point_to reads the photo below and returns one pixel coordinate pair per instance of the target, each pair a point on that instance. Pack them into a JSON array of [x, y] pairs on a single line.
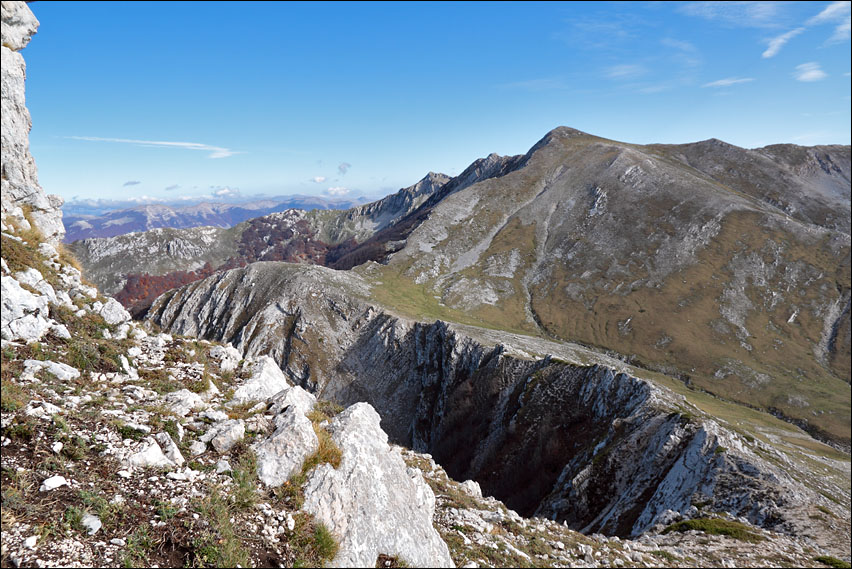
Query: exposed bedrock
[[601, 450]]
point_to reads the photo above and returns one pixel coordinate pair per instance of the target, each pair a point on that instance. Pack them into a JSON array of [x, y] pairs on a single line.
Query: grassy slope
[[676, 327]]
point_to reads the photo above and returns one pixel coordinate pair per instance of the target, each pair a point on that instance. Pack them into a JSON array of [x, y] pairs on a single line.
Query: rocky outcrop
[[19, 186], [373, 499], [590, 445]]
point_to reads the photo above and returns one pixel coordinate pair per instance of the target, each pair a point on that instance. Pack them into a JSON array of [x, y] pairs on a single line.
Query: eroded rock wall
[[601, 450], [19, 186]]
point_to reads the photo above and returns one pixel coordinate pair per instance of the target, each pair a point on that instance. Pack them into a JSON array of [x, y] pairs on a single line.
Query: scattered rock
[[266, 380], [91, 523], [52, 483]]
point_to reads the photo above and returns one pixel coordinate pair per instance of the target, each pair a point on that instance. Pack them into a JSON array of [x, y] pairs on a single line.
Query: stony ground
[[94, 474], [483, 532]]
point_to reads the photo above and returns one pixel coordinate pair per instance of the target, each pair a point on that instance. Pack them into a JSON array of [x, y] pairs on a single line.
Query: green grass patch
[[218, 545], [716, 526], [312, 543], [244, 474], [12, 396], [832, 562]]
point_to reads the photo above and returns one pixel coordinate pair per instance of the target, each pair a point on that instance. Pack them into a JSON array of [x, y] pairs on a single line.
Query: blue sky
[[164, 101]]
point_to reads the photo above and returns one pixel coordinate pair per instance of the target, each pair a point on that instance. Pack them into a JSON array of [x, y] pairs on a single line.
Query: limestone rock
[[183, 401], [113, 312], [223, 436], [371, 502], [24, 315], [19, 24], [266, 380], [52, 483], [19, 184], [91, 523], [170, 449], [61, 371], [227, 356], [282, 454], [296, 398], [150, 456]]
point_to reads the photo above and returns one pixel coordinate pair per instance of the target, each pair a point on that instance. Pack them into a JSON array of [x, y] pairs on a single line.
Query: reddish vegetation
[[140, 290], [265, 239]]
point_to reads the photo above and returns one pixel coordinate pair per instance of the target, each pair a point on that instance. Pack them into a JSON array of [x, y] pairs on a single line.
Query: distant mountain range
[[89, 218]]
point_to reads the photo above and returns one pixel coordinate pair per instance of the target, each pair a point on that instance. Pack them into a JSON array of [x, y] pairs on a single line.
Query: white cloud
[[226, 192], [624, 71], [131, 183], [318, 179], [839, 12], [215, 151], [776, 43], [337, 191], [344, 167], [831, 13], [172, 187], [728, 81], [809, 72]]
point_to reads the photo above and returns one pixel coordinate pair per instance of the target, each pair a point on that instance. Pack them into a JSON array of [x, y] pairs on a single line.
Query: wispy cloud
[[131, 183], [809, 72], [728, 81], [738, 14], [839, 12], [215, 151], [624, 71], [831, 13], [318, 179], [337, 191], [172, 187], [776, 43], [343, 167]]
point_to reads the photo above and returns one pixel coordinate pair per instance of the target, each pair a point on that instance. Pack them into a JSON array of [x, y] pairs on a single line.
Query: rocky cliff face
[[19, 182], [581, 440]]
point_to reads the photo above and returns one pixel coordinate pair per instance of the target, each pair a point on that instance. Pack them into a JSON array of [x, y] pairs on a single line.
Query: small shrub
[[139, 545], [312, 543], [832, 561], [716, 526], [166, 510], [12, 397], [128, 432], [74, 517]]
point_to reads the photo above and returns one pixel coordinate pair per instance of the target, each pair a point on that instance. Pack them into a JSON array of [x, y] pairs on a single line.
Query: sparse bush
[[833, 561], [717, 526], [312, 543]]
